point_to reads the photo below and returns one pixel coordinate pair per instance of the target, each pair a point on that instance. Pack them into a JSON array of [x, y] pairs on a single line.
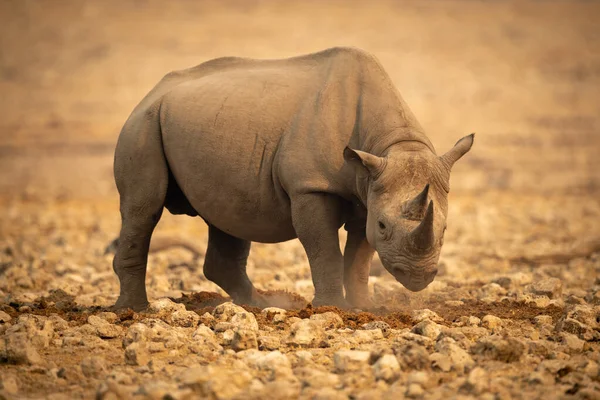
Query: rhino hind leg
[[141, 174], [225, 265]]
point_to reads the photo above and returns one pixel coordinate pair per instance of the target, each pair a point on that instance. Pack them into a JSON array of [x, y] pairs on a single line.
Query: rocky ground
[[501, 321], [513, 313]]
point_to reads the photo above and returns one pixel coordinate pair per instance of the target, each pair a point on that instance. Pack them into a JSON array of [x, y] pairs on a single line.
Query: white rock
[[305, 333], [137, 332], [428, 329], [137, 353], [477, 382], [367, 336], [421, 315], [350, 360], [328, 320], [244, 320], [4, 317], [104, 329], [93, 367], [550, 287], [492, 323], [8, 384], [165, 305], [244, 339], [266, 342], [460, 358], [216, 382], [224, 312], [387, 368], [18, 349], [185, 318]]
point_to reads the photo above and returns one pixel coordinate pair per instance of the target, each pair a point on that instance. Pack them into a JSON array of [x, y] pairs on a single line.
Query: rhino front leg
[[317, 218], [357, 266], [225, 265]]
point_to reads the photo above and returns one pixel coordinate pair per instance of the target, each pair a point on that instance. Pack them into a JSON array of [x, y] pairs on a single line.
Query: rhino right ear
[[364, 162], [460, 149]]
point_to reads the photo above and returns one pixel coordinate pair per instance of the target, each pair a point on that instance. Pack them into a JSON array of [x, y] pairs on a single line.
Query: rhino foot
[[123, 304]]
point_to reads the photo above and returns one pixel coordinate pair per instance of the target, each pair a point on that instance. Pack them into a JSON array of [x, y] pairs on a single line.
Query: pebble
[[328, 320], [225, 311], [305, 333], [103, 328], [19, 350], [549, 287], [219, 382], [350, 360], [266, 342], [244, 339], [244, 320], [425, 314], [428, 329], [499, 349], [93, 367], [367, 336], [4, 317], [387, 368], [185, 318], [460, 360], [492, 323], [165, 305]]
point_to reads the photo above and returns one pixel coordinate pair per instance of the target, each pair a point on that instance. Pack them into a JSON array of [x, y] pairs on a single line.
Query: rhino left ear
[[460, 149], [365, 162]]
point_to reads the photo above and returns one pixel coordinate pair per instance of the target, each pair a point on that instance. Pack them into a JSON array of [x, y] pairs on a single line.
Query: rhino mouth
[[413, 282]]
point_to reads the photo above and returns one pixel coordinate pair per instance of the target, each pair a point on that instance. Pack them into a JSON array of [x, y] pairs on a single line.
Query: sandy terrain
[[514, 312]]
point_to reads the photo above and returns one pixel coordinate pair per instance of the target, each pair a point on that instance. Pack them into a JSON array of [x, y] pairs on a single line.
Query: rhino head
[[407, 204]]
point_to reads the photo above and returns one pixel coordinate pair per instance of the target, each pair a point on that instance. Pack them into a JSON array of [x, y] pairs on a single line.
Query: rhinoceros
[[272, 150]]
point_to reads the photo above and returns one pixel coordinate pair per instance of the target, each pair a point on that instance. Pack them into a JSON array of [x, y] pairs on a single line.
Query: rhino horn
[[422, 236], [416, 207], [460, 149]]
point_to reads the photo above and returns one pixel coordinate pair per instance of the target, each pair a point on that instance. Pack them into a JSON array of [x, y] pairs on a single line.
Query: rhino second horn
[[416, 207], [422, 236]]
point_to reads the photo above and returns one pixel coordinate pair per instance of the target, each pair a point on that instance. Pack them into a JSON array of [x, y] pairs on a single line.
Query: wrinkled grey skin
[[271, 150]]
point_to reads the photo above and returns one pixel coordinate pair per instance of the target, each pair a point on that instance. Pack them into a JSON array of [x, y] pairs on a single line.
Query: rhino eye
[[381, 225]]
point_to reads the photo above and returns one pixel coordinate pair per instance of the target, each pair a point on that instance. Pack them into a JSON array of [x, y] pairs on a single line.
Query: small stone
[[468, 321], [268, 342], [104, 329], [414, 390], [4, 317], [137, 354], [492, 323], [8, 384], [572, 342], [459, 358], [305, 333], [421, 315], [165, 306], [387, 368], [276, 363], [185, 318], [367, 336], [499, 349], [93, 367], [384, 326], [412, 356], [328, 320], [216, 382], [543, 320], [550, 287], [226, 337], [441, 362], [18, 349], [454, 303], [477, 381], [244, 339], [350, 360], [224, 312], [207, 319], [273, 311], [244, 320], [109, 317], [428, 329]]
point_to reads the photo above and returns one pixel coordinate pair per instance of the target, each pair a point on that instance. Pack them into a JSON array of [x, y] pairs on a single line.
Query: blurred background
[[523, 75]]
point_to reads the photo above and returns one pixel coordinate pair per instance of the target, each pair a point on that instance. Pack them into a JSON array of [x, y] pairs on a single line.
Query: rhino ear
[[460, 149], [365, 162]]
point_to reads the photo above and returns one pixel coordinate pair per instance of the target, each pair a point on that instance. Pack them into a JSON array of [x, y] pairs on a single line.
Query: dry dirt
[[514, 312]]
